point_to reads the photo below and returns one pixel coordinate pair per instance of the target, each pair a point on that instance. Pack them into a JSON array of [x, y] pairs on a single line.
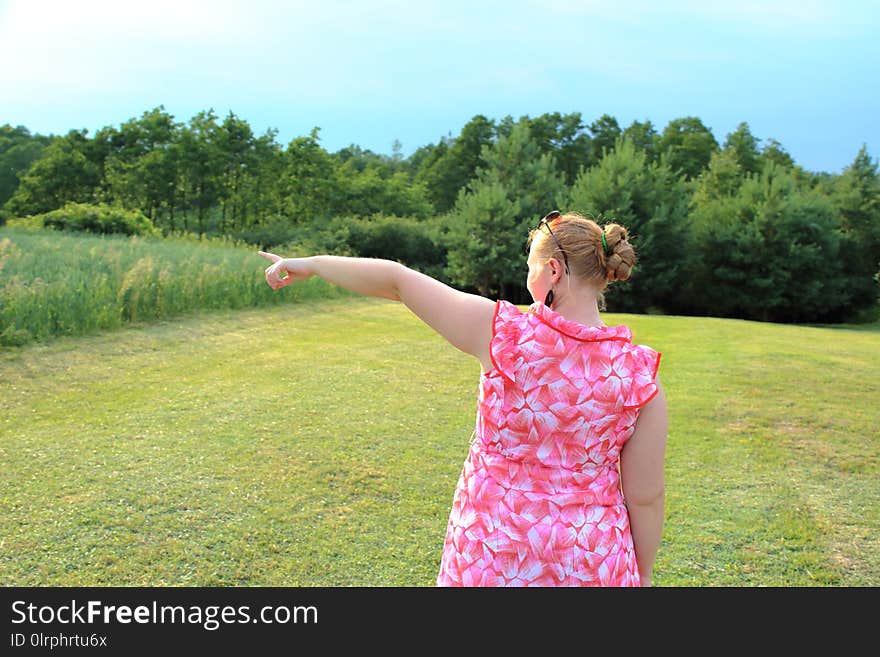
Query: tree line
[[731, 229]]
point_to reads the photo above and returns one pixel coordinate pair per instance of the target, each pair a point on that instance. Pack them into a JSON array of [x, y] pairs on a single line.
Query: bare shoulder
[[652, 422], [464, 319]]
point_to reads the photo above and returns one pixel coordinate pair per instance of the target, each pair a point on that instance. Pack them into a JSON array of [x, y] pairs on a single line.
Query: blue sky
[[803, 72]]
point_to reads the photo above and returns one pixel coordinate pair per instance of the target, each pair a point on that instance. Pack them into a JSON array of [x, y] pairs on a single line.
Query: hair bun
[[621, 257]]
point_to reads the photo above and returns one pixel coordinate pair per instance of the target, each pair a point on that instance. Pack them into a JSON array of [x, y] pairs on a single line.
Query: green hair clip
[[604, 243]]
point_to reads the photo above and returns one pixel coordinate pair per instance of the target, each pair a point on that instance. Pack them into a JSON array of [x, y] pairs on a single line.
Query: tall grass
[[54, 283]]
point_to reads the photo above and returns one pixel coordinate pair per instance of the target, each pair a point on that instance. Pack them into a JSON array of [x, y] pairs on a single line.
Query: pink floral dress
[[539, 501]]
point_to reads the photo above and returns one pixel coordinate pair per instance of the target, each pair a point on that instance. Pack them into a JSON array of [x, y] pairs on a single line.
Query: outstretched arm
[[465, 320], [641, 470]]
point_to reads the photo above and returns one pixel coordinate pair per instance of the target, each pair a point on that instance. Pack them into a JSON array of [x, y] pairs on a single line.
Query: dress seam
[[618, 338]]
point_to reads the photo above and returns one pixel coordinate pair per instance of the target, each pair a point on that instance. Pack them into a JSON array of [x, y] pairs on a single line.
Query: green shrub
[[411, 241], [271, 233], [101, 218]]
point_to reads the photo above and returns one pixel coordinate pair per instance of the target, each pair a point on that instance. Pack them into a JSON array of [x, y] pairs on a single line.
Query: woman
[[563, 483]]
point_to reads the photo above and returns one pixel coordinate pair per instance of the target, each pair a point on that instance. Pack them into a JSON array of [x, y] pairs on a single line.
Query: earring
[[548, 300]]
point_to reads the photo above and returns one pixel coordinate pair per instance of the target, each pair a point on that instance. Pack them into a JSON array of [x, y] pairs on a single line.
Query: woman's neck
[[582, 309]]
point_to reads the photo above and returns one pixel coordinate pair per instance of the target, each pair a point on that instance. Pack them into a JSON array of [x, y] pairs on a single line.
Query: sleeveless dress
[[539, 501]]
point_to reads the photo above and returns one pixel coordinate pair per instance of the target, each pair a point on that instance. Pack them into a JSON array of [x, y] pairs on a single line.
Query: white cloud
[[90, 45], [77, 48]]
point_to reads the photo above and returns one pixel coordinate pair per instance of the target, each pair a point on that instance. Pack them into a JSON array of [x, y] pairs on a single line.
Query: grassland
[[54, 283], [320, 443]]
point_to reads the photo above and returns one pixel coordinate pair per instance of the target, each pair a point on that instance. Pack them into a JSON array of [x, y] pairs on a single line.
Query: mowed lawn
[[320, 444]]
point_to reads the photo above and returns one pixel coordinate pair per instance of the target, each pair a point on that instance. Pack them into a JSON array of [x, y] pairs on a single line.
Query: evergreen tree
[[651, 202], [774, 152], [772, 251], [857, 199], [455, 162], [720, 179], [743, 146], [489, 225]]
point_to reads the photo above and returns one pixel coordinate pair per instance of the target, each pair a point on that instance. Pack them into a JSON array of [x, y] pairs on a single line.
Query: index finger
[[269, 256]]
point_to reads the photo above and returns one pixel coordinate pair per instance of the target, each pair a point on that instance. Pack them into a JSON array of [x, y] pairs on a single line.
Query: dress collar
[[579, 331]]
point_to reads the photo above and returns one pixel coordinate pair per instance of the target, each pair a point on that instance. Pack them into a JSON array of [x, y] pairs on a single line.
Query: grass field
[[320, 444]]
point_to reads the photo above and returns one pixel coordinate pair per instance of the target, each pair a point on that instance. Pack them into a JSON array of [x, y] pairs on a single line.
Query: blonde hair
[[581, 239]]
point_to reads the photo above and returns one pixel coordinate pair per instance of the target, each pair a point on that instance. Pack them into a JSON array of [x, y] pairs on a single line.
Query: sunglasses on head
[[545, 221]]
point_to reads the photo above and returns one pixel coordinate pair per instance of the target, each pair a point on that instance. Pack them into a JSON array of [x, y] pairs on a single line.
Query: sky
[[802, 72]]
